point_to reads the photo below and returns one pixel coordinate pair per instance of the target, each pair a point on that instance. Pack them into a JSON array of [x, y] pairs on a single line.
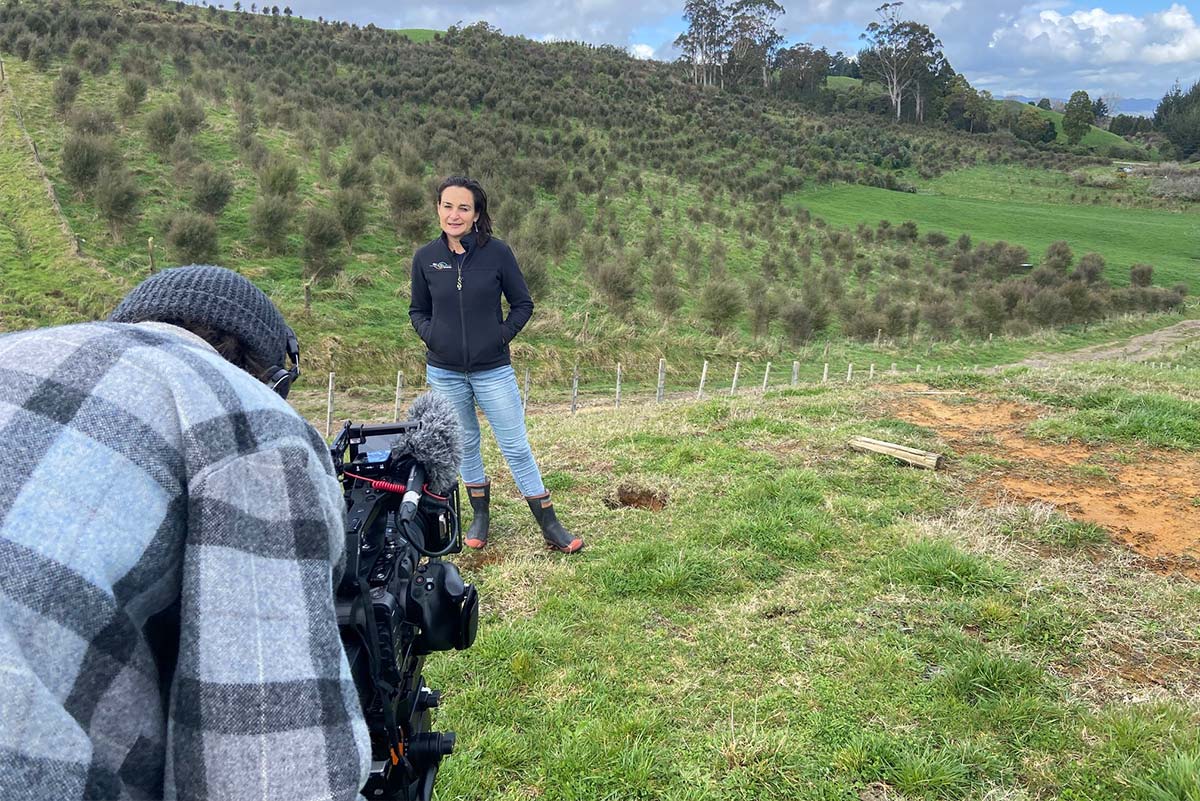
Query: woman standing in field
[[457, 282]]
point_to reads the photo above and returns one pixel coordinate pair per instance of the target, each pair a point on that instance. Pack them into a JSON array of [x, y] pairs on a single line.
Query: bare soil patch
[[1146, 499]]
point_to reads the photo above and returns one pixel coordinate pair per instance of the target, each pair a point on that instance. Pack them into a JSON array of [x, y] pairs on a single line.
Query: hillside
[[653, 218]]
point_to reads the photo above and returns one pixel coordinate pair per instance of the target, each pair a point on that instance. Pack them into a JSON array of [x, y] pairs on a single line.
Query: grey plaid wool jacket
[[170, 531]]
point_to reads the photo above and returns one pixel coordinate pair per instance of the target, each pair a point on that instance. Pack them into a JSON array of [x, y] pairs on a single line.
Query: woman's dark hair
[[483, 226]]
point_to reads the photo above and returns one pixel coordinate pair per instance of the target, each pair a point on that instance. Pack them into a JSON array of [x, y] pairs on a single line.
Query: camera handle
[[391, 726]]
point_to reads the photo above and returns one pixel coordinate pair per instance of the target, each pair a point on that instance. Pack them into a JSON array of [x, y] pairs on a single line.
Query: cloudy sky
[[1127, 48]]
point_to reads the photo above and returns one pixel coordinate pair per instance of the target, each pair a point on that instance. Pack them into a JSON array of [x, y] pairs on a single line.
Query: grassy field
[[41, 279], [1169, 241], [418, 34], [804, 622], [1007, 182]]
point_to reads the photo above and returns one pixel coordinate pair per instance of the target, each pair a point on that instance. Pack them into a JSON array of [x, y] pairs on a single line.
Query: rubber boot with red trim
[[480, 496], [557, 538]]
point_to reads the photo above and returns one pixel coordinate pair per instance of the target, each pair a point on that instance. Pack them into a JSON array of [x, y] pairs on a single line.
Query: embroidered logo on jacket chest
[[441, 265]]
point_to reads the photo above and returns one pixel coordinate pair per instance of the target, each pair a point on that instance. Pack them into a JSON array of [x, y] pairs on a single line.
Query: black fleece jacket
[[455, 306]]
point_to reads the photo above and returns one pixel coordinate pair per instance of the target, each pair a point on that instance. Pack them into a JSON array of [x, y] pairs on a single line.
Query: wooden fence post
[[795, 373], [849, 372], [871, 374], [662, 380], [703, 375], [825, 373], [329, 408], [737, 369], [574, 387], [150, 249], [399, 392], [618, 385], [766, 376]]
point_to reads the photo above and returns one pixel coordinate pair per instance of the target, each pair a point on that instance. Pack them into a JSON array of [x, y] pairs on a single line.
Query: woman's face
[[456, 211]]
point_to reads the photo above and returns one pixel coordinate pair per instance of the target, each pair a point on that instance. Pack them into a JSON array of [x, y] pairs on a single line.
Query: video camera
[[398, 601]]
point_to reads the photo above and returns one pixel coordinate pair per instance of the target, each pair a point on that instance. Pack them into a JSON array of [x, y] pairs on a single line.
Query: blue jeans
[[496, 393]]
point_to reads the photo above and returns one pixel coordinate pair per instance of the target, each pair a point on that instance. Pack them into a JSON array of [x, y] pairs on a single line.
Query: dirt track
[[1137, 349]]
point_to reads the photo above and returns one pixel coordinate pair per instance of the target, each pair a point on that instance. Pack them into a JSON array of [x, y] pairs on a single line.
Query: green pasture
[[418, 34], [804, 622], [1169, 241], [1012, 182]]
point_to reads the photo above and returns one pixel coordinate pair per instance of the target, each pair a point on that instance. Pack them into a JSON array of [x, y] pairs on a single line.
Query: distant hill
[[1096, 138], [1135, 106]]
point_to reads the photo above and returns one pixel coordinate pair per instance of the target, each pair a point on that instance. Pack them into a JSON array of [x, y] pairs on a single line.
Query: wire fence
[[592, 388]]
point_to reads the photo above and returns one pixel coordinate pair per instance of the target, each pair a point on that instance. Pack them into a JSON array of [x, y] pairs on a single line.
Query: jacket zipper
[[462, 315]]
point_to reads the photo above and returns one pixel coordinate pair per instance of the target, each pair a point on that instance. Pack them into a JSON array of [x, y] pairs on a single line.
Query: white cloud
[[1133, 55], [642, 51]]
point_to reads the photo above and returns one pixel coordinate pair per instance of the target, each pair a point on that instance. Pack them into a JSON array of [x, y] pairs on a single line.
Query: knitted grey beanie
[[212, 296]]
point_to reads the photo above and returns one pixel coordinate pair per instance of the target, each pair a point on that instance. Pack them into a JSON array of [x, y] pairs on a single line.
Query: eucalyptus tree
[[899, 53], [753, 38], [706, 40]]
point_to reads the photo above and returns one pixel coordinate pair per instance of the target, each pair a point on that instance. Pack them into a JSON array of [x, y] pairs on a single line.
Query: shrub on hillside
[[859, 320], [1090, 269], [189, 112], [1059, 256], [617, 281], [1141, 275], [797, 322], [936, 239], [350, 205], [409, 210], [763, 306], [192, 238], [665, 291], [354, 175], [1049, 306], [136, 89], [322, 241], [117, 197], [270, 221], [534, 265], [211, 189], [938, 315], [98, 61], [279, 177], [66, 88], [721, 303], [83, 156], [92, 120], [162, 126], [41, 57]]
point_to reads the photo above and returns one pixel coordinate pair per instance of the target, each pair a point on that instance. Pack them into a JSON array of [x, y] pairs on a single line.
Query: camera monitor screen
[[372, 444]]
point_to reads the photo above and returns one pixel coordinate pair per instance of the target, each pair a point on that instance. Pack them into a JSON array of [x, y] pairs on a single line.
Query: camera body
[[398, 602]]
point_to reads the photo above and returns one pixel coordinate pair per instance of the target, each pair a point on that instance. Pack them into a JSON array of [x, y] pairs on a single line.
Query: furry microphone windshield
[[437, 443]]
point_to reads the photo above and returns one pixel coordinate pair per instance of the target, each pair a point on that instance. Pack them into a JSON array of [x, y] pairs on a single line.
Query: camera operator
[[171, 532]]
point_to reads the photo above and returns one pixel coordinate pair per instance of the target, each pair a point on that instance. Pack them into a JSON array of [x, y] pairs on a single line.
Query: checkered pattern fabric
[[170, 535]]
